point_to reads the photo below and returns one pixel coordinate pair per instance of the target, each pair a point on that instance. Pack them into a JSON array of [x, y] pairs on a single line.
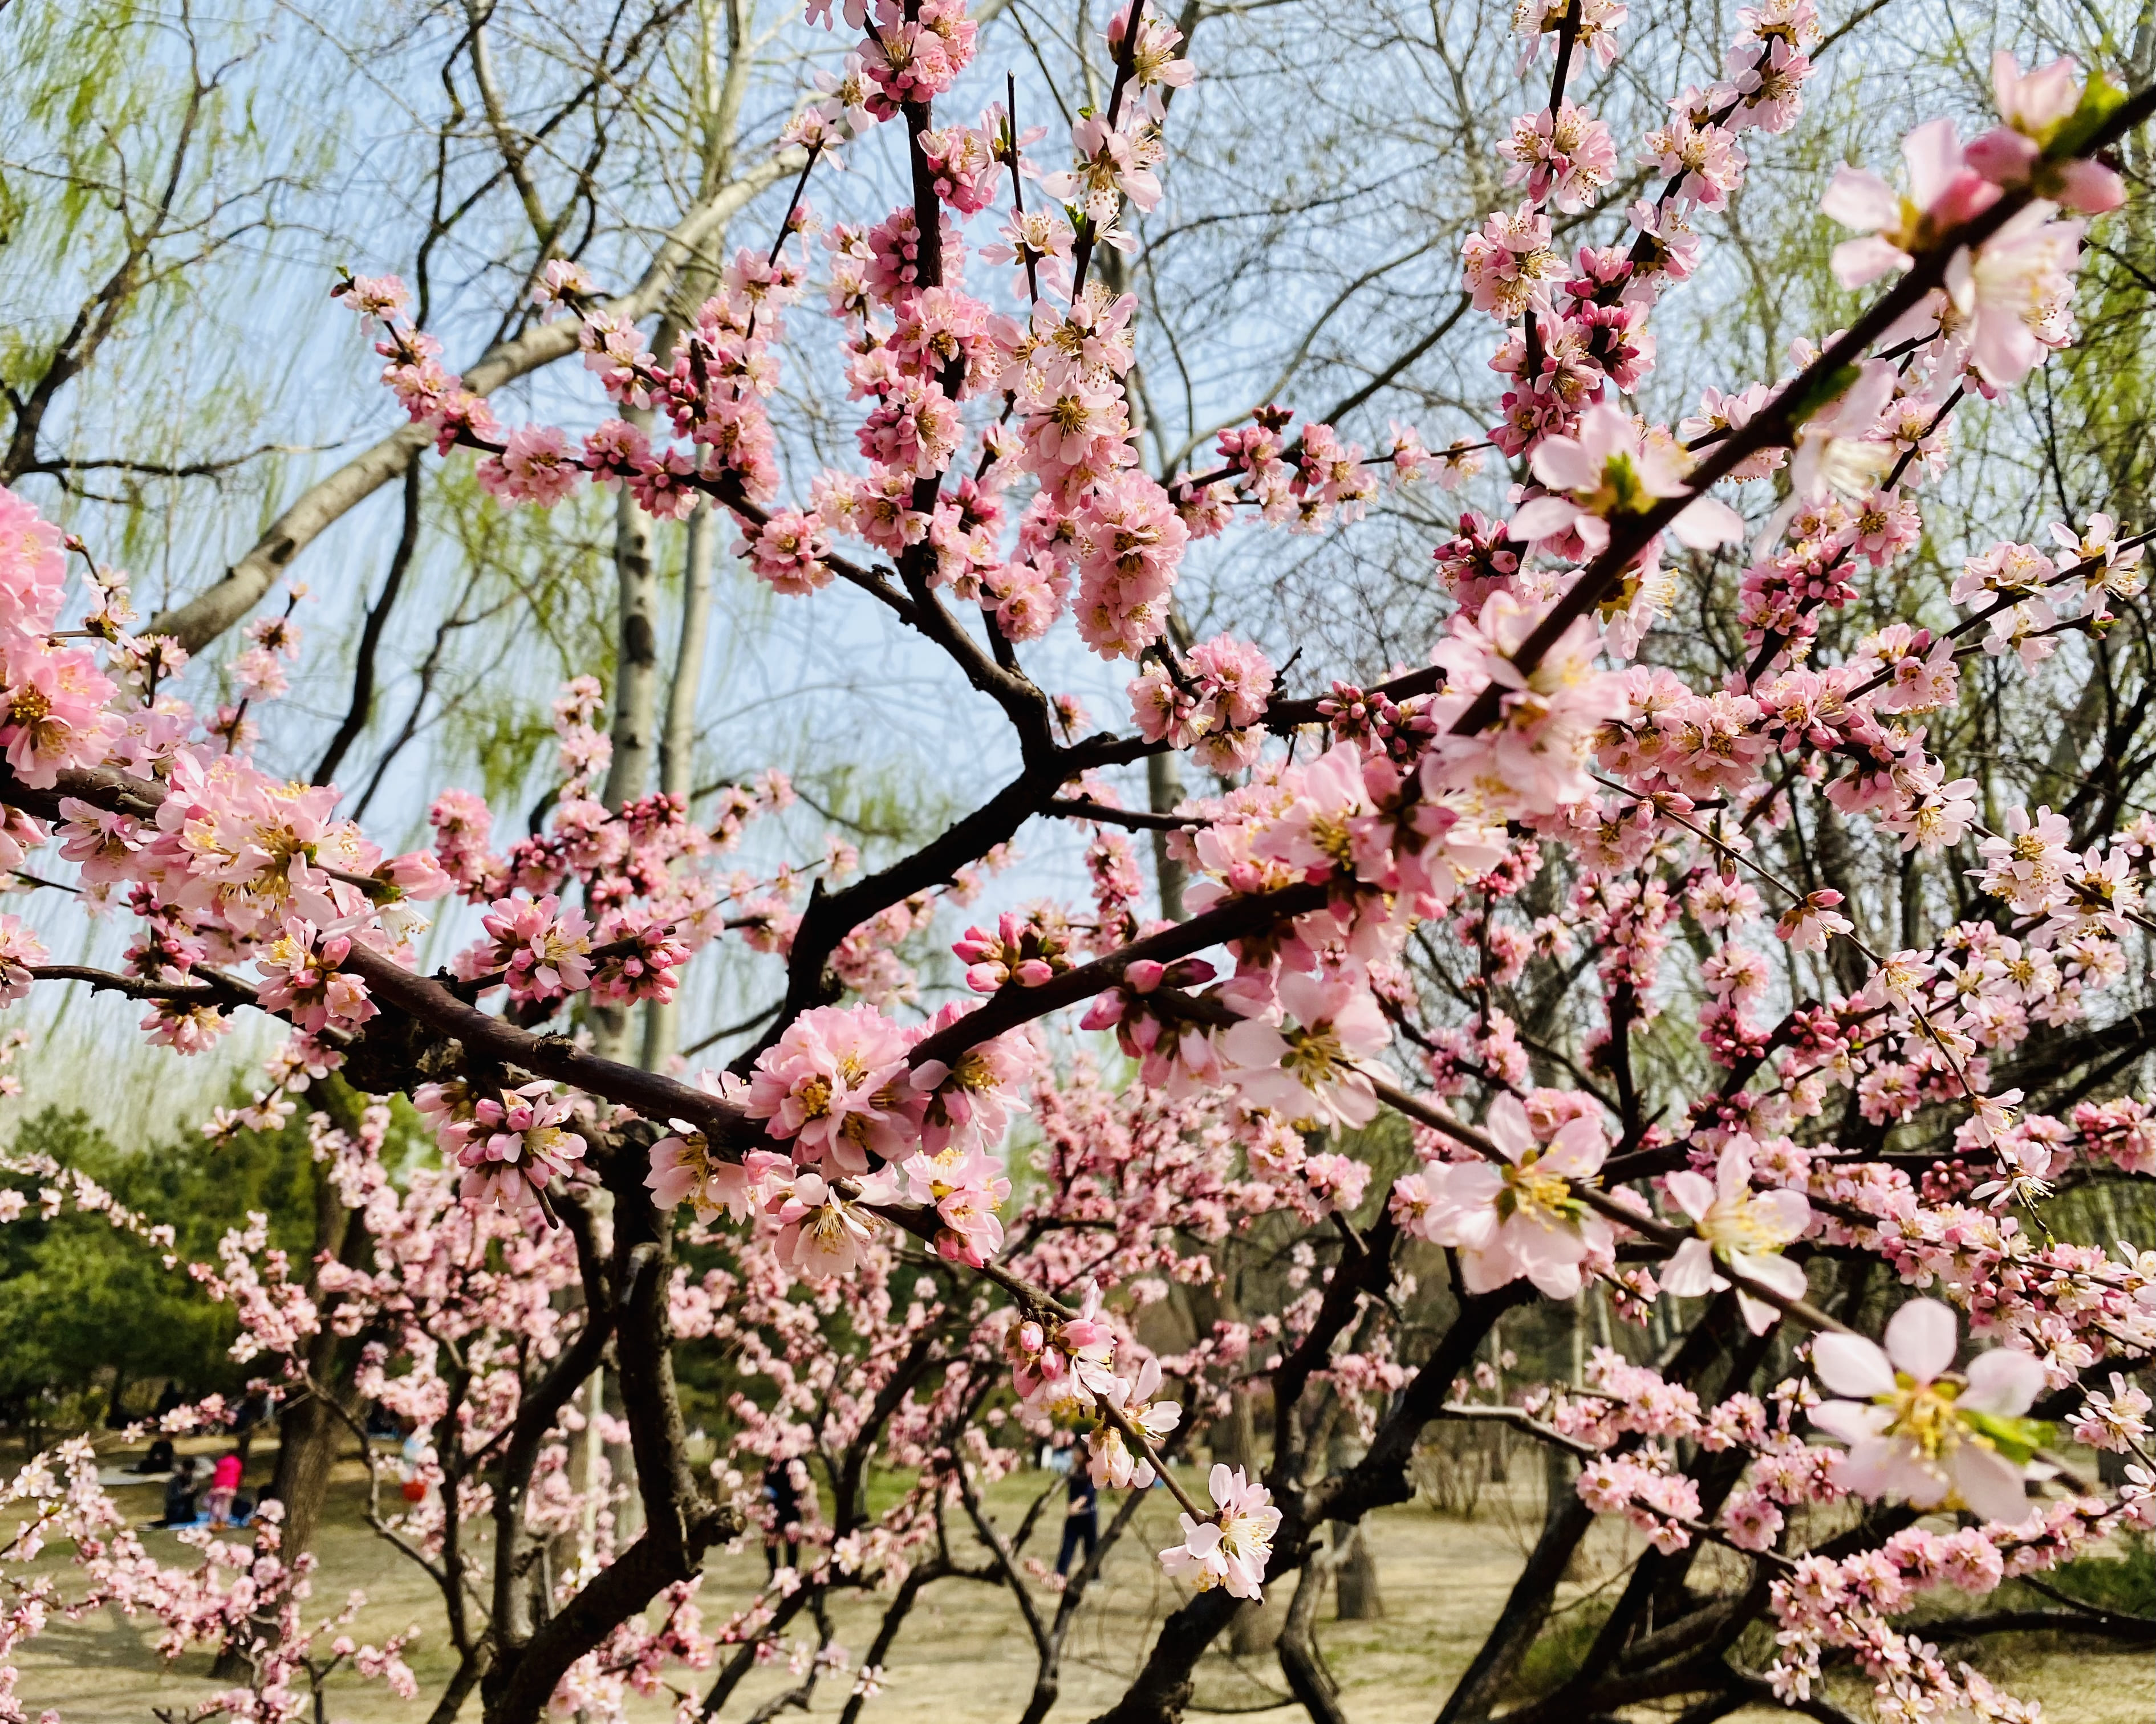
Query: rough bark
[[680, 1522]]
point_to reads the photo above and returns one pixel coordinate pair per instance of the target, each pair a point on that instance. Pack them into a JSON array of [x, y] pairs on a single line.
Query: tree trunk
[[677, 743], [1356, 1564], [1235, 1437], [1302, 1662], [621, 1473], [636, 670], [1164, 790], [1256, 1627], [306, 1450], [573, 1549], [308, 1427], [635, 693]]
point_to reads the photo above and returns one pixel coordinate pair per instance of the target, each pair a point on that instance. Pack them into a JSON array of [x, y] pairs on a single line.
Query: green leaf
[[1823, 391], [2017, 1439], [2099, 101]]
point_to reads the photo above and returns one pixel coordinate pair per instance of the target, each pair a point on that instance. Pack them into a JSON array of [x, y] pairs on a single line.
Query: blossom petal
[[1564, 464], [1690, 1274], [1852, 1421], [1707, 522], [1850, 1365], [1989, 1484], [1922, 1338], [1856, 262], [1933, 154], [1692, 1193], [1777, 1275], [1859, 198], [2003, 1382], [1578, 1149], [1541, 517], [1506, 1126], [1785, 1215]]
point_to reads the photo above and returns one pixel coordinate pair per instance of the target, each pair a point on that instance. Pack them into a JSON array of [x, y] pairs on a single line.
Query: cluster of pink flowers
[[511, 1143], [1232, 1548], [1212, 703], [52, 696], [1434, 803]]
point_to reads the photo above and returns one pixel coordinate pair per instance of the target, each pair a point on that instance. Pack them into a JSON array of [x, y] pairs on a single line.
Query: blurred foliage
[[86, 1308]]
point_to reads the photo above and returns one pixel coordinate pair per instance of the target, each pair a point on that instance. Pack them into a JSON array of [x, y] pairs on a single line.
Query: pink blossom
[[1812, 920], [2018, 291], [1910, 1434], [1130, 541], [2116, 1422], [1745, 1229], [381, 297], [835, 1083], [820, 1233], [684, 1170], [534, 466], [2028, 863], [516, 1146], [19, 950], [1230, 1550], [788, 550], [301, 978], [1565, 157], [1111, 1462], [542, 946], [1307, 1064], [1608, 469], [1533, 760], [2036, 107], [51, 716], [1506, 261], [1522, 1217]]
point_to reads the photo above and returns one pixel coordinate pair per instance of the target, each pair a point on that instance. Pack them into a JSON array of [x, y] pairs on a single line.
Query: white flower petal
[[2003, 1382], [1922, 1338], [1850, 1365]]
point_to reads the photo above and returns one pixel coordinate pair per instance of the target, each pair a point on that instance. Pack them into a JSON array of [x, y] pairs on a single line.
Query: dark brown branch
[[1078, 807], [370, 636]]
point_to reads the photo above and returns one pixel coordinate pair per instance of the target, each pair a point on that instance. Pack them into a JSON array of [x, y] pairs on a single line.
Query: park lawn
[[965, 1657]]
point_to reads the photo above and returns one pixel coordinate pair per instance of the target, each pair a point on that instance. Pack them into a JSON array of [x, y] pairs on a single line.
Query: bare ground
[[965, 1655]]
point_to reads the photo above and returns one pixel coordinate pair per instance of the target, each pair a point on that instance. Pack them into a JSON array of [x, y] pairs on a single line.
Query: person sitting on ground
[[223, 1485], [180, 1495], [159, 1459]]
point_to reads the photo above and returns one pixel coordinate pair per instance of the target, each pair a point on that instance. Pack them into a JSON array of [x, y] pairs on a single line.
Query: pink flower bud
[[1105, 1011]]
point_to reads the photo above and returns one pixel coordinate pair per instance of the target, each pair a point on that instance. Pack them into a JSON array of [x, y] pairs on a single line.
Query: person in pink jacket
[[223, 1483]]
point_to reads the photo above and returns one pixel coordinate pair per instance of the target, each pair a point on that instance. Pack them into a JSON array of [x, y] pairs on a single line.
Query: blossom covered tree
[[838, 1208]]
